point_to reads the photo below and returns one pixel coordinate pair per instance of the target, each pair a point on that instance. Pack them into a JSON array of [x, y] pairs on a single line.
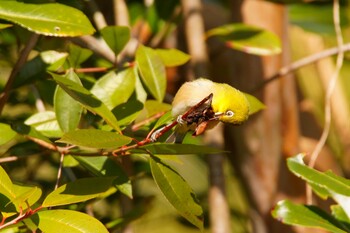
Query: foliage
[[93, 121], [325, 185], [74, 118]]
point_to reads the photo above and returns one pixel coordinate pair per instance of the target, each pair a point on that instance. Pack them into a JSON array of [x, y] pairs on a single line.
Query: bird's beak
[[217, 116]]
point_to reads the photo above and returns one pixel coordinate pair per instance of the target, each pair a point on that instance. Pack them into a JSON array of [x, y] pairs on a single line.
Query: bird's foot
[[180, 120]]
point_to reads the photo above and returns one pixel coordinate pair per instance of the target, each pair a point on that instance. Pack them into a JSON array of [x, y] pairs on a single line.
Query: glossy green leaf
[[173, 57], [177, 192], [94, 138], [328, 181], [152, 71], [7, 134], [104, 166], [177, 149], [140, 92], [255, 105], [342, 200], [248, 39], [78, 191], [307, 216], [26, 195], [7, 193], [50, 19], [78, 55], [13, 197], [116, 37], [49, 221], [339, 213], [115, 88], [29, 131], [128, 112], [45, 123], [87, 99], [68, 110]]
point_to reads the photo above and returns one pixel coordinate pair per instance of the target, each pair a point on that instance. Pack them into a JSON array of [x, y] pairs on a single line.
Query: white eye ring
[[229, 113]]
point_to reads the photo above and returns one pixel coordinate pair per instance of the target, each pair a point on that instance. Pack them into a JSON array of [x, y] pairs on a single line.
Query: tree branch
[[330, 90], [301, 63], [20, 62]]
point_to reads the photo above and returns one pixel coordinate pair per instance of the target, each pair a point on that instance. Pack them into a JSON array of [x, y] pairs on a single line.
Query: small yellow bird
[[226, 104]]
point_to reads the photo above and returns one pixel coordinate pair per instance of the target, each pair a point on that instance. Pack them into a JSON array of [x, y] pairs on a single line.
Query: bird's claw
[[154, 135], [180, 120]]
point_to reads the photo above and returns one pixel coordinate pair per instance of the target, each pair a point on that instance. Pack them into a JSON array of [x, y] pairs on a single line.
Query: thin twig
[[330, 89], [121, 14], [301, 63], [9, 159], [59, 172], [97, 15], [20, 62], [96, 46], [138, 125]]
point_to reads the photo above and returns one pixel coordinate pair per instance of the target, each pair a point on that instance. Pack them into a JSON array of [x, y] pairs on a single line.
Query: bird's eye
[[229, 113]]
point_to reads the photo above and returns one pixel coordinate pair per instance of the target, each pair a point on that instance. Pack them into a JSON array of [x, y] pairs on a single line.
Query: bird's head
[[229, 104]]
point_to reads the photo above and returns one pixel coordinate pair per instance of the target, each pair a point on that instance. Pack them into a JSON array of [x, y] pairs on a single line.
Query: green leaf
[[177, 149], [51, 19], [307, 216], [26, 196], [152, 71], [104, 166], [151, 108], [7, 134], [68, 110], [140, 92], [54, 59], [70, 161], [339, 213], [173, 57], [166, 118], [115, 88], [3, 25], [36, 68], [128, 112], [78, 191], [328, 181], [87, 99], [49, 221], [116, 37], [7, 192], [29, 131], [317, 18], [254, 104], [45, 123], [177, 192], [78, 55], [248, 39], [94, 138]]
